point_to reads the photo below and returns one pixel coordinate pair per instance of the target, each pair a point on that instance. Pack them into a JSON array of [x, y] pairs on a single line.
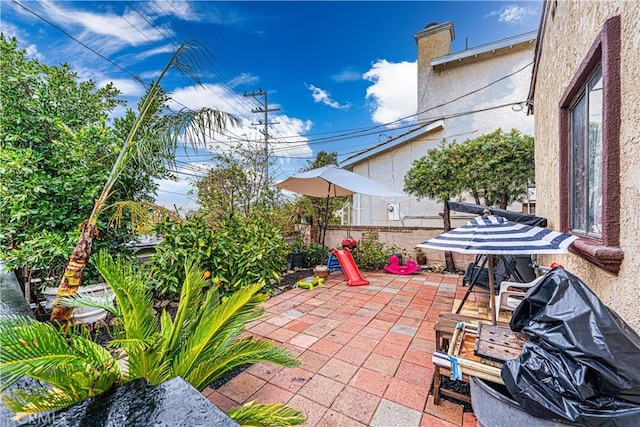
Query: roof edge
[[489, 47], [392, 143], [536, 55]]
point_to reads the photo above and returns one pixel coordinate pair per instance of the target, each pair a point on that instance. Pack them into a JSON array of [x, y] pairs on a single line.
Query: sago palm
[[200, 344], [191, 126]]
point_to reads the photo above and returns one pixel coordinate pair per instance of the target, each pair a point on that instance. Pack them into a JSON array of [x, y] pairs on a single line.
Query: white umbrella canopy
[[495, 235], [332, 181]]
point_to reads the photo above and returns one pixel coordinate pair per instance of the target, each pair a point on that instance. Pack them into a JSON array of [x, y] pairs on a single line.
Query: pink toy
[[394, 266]]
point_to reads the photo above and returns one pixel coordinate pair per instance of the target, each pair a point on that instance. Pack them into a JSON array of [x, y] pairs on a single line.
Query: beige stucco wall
[[567, 37], [443, 84]]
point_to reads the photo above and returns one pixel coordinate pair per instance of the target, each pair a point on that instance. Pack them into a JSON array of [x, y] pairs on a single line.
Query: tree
[[56, 149], [191, 126], [497, 166], [200, 344], [436, 175], [235, 183]]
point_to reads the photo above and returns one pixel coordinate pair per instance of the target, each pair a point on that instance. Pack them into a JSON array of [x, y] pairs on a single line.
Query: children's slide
[[349, 267]]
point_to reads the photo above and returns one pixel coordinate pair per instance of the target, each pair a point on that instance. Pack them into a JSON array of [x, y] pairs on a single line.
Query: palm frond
[[185, 321], [216, 362], [40, 351], [134, 299], [272, 415], [94, 301], [142, 215], [218, 325]]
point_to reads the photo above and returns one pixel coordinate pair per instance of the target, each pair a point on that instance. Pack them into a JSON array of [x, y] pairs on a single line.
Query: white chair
[[511, 294]]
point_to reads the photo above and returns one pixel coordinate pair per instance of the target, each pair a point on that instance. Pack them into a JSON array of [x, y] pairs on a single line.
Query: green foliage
[[496, 166], [273, 415], [315, 253], [236, 182], [371, 254], [200, 343], [56, 150], [76, 366], [434, 175], [239, 251]]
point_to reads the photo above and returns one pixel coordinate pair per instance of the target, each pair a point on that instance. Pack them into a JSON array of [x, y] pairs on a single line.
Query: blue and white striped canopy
[[496, 235]]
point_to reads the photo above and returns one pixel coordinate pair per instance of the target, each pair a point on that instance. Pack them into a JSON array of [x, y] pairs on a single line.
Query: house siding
[[570, 30], [443, 84]]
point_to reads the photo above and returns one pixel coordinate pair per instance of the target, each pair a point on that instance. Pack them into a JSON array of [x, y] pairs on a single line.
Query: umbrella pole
[[326, 219], [492, 286]]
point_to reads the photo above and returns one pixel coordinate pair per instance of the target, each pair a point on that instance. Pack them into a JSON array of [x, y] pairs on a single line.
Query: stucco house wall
[[568, 33], [448, 84]]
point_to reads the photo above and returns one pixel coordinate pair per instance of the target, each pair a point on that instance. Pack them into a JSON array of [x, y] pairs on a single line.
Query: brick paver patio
[[366, 353]]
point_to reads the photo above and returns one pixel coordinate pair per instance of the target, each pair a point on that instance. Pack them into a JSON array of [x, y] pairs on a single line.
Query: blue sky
[[343, 74]]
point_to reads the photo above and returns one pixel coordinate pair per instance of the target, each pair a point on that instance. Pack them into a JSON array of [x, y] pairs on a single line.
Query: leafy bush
[[239, 251], [371, 254], [315, 254]]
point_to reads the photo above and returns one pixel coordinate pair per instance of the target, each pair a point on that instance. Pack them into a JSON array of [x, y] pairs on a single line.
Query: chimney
[[433, 41]]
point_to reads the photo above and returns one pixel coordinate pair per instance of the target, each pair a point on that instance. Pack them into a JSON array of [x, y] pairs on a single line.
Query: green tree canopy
[[57, 146], [496, 167], [236, 183]]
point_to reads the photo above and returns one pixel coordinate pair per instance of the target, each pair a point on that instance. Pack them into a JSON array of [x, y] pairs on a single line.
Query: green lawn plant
[[200, 344]]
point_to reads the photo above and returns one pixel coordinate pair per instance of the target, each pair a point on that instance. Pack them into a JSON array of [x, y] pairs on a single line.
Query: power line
[[134, 76]]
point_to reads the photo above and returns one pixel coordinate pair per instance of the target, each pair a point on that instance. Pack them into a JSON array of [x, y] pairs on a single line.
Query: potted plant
[[296, 252], [421, 257]]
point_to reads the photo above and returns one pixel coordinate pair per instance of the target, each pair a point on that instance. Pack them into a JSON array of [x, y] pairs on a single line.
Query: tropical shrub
[[237, 252], [200, 344]]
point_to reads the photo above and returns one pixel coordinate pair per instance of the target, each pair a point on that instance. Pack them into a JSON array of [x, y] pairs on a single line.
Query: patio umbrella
[[495, 235], [331, 181]]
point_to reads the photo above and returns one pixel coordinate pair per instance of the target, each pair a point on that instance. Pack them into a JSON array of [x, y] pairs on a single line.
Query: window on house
[[586, 159], [590, 152]]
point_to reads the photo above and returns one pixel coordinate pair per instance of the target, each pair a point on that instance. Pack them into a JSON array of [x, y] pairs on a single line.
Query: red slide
[[349, 267]]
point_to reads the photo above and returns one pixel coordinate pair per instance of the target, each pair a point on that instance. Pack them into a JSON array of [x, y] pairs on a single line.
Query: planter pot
[[297, 259], [321, 271], [81, 314]]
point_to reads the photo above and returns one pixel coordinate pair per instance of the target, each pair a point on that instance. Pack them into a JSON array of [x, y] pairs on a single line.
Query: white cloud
[[155, 51], [113, 30], [347, 75], [181, 9], [392, 95], [286, 135], [512, 14], [323, 97], [243, 79]]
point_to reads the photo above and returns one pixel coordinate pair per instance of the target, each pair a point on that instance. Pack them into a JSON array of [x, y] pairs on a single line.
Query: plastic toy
[[396, 268], [349, 267], [309, 282]]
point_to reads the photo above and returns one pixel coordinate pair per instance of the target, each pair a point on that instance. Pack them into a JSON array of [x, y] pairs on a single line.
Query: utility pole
[[266, 110]]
